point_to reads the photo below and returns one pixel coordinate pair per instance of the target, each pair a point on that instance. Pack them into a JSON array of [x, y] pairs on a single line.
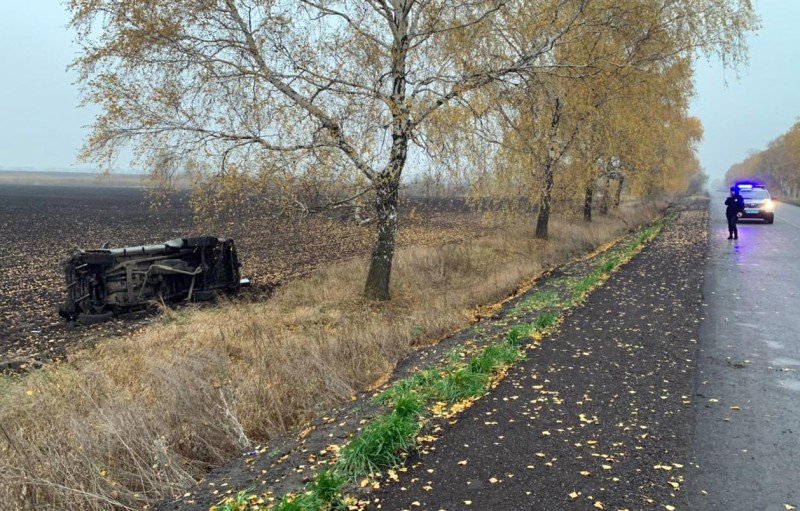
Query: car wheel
[[770, 219]]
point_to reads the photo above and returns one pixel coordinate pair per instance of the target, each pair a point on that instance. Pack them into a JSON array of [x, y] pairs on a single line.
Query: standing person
[[734, 208]]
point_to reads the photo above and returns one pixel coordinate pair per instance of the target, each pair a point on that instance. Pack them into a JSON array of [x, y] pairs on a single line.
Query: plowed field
[[42, 225]]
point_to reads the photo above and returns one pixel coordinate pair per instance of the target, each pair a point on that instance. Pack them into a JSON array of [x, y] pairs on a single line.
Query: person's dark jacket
[[735, 204]]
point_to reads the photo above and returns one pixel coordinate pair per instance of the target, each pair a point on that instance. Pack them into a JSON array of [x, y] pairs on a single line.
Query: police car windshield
[[755, 194]]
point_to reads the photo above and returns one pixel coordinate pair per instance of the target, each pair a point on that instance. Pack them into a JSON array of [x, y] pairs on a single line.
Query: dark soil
[[598, 417], [42, 225]]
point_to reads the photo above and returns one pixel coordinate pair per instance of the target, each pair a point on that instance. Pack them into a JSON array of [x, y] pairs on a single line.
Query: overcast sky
[[41, 123]]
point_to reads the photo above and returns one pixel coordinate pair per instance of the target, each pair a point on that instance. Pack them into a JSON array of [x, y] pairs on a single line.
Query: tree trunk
[[388, 182], [618, 196], [380, 266], [605, 203], [587, 201], [543, 219]]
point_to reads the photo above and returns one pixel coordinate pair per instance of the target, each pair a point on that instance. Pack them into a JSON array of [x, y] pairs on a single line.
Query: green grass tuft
[[610, 265], [545, 321], [409, 404], [460, 384], [327, 488], [493, 357], [289, 503], [415, 382], [537, 301], [586, 284], [383, 442], [240, 502], [518, 334]]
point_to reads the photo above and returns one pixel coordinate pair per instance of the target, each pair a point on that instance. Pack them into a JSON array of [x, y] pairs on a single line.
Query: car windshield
[[755, 194]]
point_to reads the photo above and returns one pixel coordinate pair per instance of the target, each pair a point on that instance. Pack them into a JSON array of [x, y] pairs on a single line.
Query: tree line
[[337, 99], [778, 166]]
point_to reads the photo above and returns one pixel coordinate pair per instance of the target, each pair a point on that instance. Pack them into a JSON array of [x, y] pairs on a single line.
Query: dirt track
[[41, 225]]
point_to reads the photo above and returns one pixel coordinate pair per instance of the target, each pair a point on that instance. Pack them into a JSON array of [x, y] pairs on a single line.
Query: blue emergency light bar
[[747, 185]]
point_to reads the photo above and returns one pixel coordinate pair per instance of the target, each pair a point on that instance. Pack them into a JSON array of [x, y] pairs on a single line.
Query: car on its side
[[757, 202]]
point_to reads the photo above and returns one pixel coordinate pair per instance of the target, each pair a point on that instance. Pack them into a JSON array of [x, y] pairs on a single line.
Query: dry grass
[[137, 420]]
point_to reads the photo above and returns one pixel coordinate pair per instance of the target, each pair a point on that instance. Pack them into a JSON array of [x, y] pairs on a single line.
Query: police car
[[757, 202]]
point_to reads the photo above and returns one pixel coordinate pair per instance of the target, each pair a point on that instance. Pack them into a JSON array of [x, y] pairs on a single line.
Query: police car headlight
[[768, 205]]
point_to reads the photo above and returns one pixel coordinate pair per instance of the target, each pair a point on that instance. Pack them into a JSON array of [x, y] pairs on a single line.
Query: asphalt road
[[599, 416], [747, 435]]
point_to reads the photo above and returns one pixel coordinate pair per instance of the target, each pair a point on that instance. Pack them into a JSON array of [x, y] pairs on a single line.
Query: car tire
[[770, 219]]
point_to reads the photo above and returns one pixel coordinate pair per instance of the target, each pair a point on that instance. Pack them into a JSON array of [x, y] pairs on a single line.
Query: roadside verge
[[403, 418]]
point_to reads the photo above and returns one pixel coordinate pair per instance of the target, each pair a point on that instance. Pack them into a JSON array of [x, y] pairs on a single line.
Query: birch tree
[[612, 56], [778, 165], [297, 89], [650, 107]]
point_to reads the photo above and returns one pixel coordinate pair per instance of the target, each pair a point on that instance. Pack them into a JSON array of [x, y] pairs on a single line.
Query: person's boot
[[730, 236]]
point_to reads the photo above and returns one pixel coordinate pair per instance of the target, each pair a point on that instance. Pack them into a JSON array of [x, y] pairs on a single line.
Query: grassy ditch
[[465, 374]]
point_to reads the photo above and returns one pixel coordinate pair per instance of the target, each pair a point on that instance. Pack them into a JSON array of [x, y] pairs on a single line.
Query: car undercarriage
[[103, 283]]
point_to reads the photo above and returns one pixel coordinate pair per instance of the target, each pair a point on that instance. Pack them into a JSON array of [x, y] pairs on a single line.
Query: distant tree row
[[333, 100], [778, 165]]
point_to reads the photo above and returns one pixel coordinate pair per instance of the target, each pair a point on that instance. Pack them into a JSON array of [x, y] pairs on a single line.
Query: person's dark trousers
[[732, 230]]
